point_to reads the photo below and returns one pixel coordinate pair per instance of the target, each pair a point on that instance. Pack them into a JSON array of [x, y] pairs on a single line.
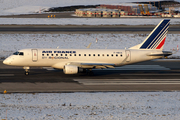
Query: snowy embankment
[[85, 106], [84, 21], [13, 42]]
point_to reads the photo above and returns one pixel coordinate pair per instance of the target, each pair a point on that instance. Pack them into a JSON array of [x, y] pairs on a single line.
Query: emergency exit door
[[128, 55], [34, 55]]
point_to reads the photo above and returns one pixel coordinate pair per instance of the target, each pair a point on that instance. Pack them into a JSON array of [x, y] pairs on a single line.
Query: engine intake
[[71, 69]]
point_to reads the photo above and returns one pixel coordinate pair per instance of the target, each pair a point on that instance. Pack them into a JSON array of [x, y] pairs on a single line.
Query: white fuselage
[[58, 58]]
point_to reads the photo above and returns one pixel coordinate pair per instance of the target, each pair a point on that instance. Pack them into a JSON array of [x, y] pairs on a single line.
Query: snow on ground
[[92, 106], [10, 43], [9, 7], [84, 21]]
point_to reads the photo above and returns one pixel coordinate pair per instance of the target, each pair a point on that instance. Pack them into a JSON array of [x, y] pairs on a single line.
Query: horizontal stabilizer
[[163, 53]]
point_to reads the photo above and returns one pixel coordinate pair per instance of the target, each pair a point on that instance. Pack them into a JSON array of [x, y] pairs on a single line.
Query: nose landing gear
[[26, 70]]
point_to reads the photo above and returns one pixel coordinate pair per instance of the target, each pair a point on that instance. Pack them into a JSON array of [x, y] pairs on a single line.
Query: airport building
[[163, 8]]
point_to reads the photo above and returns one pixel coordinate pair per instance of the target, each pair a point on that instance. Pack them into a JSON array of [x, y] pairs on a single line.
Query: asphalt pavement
[[161, 75], [81, 29]]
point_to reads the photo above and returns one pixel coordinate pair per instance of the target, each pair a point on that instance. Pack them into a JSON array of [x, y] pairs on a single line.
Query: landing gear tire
[[26, 73], [90, 73], [26, 70]]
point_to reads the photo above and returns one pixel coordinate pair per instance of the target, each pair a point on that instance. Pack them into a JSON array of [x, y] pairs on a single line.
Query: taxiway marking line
[[130, 83], [150, 74], [127, 81]]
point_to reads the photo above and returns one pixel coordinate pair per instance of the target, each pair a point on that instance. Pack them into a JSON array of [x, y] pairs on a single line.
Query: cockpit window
[[21, 53], [18, 53]]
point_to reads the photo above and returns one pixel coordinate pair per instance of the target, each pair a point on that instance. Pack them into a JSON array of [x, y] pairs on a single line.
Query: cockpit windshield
[[18, 53]]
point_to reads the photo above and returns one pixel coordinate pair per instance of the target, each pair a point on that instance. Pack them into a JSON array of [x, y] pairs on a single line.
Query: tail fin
[[156, 38]]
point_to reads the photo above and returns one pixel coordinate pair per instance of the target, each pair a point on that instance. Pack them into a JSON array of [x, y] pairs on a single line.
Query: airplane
[[74, 61]]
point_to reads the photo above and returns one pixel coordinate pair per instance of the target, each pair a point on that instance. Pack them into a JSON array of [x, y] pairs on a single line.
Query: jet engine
[[71, 69]]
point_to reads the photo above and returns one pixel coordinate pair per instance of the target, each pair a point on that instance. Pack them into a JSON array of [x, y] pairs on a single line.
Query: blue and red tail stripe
[[161, 44], [157, 37]]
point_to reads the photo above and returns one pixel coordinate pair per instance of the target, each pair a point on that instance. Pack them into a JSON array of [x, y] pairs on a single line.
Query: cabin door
[[34, 55], [128, 55]]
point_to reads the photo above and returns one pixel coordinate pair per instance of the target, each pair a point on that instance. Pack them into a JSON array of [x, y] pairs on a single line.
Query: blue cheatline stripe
[[160, 34], [157, 32]]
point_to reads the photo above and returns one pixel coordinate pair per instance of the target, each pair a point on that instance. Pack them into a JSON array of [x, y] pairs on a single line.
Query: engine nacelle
[[70, 69]]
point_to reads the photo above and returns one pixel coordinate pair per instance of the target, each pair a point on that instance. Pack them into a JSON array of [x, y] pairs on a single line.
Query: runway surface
[[81, 29], [156, 75]]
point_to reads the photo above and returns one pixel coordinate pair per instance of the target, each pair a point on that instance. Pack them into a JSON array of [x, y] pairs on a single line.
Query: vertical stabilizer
[[156, 38]]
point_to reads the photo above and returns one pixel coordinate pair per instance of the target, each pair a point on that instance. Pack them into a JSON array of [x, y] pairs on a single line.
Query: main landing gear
[[26, 70], [86, 71], [89, 72]]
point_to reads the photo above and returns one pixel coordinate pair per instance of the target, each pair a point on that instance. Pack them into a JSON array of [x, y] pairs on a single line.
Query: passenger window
[[89, 54], [93, 54], [79, 54], [121, 55], [103, 55], [116, 55], [98, 54], [84, 54], [42, 54], [74, 54], [61, 54], [112, 55], [56, 54], [51, 54], [65, 54], [70, 54], [47, 54], [107, 54]]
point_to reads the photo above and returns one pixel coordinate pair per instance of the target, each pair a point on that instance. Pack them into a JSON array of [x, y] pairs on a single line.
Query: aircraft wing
[[92, 65]]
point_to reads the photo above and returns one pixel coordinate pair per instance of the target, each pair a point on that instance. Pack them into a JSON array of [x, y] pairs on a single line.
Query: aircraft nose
[[5, 61]]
